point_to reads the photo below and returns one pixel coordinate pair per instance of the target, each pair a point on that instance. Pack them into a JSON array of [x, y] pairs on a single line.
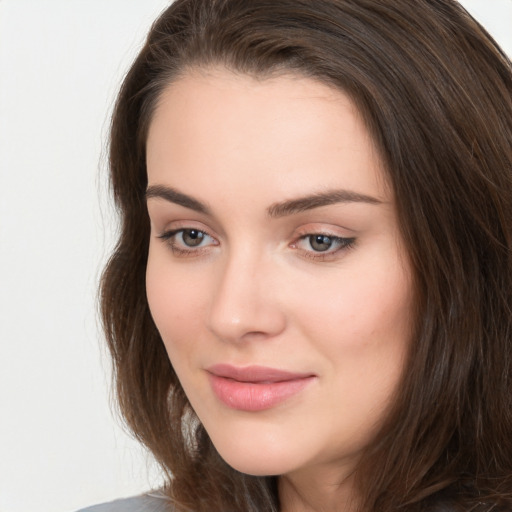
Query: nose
[[245, 304]]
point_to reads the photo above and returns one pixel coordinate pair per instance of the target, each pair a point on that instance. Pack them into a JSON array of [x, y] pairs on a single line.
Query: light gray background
[[61, 62]]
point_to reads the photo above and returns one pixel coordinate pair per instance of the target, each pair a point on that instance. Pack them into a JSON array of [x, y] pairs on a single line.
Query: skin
[[255, 290]]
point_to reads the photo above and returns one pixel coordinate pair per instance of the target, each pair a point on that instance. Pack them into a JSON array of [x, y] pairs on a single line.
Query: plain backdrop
[[61, 62]]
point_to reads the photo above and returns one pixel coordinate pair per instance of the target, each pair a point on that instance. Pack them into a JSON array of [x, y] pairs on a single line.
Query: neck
[[317, 491]]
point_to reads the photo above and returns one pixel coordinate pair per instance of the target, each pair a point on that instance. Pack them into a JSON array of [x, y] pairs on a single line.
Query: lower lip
[[255, 396]]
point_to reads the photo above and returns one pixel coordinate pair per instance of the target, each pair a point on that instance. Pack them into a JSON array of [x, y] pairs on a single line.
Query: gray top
[[152, 502], [157, 502]]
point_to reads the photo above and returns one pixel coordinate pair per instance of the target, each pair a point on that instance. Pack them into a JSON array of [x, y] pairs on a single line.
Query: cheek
[[361, 324], [357, 309], [176, 302]]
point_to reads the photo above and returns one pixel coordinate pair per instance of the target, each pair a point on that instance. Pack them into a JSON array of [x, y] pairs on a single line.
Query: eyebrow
[[174, 196], [318, 200], [281, 209]]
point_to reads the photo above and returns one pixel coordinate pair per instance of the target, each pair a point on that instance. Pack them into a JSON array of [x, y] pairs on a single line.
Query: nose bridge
[[244, 302]]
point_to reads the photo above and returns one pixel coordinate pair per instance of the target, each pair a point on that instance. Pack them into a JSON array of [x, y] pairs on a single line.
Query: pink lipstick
[[255, 388]]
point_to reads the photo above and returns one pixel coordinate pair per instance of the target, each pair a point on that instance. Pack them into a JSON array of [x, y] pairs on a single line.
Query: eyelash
[[344, 244], [169, 237]]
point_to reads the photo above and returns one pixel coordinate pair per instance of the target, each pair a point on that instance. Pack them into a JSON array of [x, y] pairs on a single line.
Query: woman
[[309, 305]]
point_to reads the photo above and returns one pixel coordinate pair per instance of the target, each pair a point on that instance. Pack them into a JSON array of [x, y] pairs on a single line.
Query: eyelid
[[345, 243], [341, 239], [168, 235], [167, 226]]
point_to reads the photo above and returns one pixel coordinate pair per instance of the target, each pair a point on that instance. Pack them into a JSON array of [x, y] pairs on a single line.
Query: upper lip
[[262, 374]]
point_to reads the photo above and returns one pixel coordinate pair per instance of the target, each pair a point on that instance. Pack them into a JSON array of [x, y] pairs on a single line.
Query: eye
[[320, 243], [187, 241], [322, 246], [192, 237]]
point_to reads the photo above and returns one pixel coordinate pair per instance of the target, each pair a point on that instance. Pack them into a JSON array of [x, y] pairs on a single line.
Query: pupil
[[192, 237], [320, 242]]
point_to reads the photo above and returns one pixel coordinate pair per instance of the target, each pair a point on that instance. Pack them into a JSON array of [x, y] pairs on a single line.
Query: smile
[[255, 388]]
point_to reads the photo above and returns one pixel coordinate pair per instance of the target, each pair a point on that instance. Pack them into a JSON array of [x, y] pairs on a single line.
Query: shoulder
[[478, 507], [152, 502]]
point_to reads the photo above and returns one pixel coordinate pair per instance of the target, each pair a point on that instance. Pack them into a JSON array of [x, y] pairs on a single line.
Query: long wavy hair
[[435, 92]]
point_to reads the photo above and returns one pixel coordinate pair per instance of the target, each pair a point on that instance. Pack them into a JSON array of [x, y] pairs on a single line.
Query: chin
[[249, 465], [256, 458]]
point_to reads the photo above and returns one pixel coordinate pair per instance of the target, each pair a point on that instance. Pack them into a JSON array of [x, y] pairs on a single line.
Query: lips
[[255, 388]]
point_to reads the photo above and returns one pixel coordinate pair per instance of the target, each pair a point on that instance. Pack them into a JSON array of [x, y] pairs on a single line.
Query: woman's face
[[276, 276]]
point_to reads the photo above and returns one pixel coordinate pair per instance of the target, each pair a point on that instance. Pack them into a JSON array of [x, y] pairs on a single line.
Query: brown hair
[[436, 93]]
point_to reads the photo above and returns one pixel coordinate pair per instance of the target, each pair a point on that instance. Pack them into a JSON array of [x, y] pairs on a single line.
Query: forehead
[[294, 131]]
